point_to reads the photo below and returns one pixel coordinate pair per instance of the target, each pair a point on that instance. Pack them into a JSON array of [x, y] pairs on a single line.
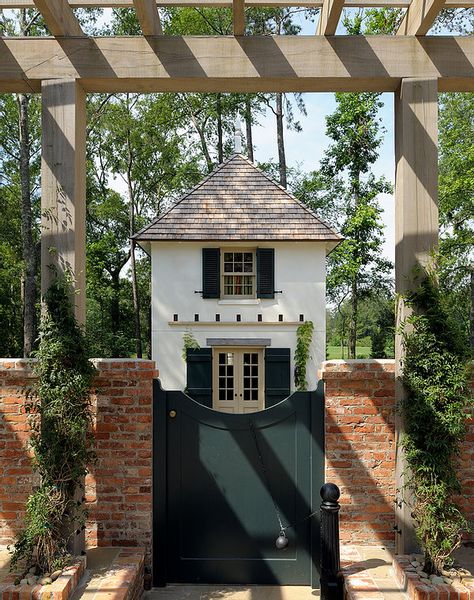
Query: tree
[[356, 266], [135, 139], [19, 151], [456, 193]]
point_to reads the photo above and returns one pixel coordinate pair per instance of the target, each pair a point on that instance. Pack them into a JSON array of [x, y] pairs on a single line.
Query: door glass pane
[[226, 375], [250, 384]]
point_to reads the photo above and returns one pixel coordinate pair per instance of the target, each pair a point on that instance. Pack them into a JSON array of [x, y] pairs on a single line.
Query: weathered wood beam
[[59, 17], [148, 17], [228, 3], [243, 64], [63, 185], [420, 16], [238, 17], [416, 235], [329, 17]]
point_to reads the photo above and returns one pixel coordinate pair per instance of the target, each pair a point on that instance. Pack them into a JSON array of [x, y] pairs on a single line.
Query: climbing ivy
[[60, 419], [189, 343], [436, 373], [304, 337]]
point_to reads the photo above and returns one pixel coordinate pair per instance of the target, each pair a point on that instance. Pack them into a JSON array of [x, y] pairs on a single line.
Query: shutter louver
[[265, 273], [211, 272], [277, 375], [199, 375]]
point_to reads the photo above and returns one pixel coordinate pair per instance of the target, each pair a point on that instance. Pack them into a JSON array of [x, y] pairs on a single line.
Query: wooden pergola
[[67, 65]]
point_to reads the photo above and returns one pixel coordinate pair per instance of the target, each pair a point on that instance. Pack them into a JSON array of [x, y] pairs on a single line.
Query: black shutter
[[211, 273], [199, 375], [265, 273], [277, 375]]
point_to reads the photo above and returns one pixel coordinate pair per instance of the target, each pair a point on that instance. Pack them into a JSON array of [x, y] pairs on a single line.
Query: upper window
[[238, 272]]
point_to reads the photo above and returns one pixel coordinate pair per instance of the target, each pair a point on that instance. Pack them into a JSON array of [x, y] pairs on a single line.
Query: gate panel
[[225, 472]]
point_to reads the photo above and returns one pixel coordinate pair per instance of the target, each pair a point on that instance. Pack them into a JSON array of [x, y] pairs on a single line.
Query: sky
[[305, 149]]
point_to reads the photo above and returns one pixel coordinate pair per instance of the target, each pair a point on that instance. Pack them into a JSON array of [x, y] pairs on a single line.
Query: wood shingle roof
[[238, 202]]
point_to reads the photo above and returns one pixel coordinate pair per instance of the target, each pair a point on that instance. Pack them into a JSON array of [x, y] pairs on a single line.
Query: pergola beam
[[420, 16], [329, 17], [242, 64], [228, 3], [59, 17], [148, 17]]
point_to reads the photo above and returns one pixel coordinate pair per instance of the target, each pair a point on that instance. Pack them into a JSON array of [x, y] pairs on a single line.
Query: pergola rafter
[[148, 17], [59, 17], [420, 16]]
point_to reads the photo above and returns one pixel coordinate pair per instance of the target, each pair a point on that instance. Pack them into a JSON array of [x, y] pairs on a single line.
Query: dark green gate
[[217, 479]]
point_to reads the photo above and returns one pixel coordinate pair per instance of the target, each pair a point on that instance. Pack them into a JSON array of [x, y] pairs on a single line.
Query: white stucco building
[[239, 263]]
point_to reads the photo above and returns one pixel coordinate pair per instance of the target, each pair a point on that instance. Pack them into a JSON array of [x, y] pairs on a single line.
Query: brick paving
[[368, 574]]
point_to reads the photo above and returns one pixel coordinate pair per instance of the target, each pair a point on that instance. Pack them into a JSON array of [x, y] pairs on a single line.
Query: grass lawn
[[333, 352]]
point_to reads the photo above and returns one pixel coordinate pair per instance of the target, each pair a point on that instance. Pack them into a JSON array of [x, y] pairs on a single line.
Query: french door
[[238, 380]]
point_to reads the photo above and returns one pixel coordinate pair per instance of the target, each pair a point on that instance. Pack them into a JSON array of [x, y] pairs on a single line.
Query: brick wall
[[360, 448], [15, 464], [118, 489], [360, 451]]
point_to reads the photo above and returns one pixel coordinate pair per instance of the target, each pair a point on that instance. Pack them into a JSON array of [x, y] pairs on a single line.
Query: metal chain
[[283, 528], [265, 474]]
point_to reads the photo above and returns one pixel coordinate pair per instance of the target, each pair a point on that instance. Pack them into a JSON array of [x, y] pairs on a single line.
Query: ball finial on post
[[331, 579]]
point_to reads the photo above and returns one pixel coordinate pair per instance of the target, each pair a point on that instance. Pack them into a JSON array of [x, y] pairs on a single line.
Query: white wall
[[177, 273]]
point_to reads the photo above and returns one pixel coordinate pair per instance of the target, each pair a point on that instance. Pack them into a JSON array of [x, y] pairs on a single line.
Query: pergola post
[[416, 233], [63, 185]]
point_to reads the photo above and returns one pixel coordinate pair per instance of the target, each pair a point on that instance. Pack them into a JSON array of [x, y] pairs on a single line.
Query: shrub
[[60, 419], [436, 374]]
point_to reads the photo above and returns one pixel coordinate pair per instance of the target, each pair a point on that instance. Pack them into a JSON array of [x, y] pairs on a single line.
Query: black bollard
[[331, 579]]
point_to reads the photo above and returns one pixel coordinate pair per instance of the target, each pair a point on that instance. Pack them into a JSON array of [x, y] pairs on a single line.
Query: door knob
[[172, 414]]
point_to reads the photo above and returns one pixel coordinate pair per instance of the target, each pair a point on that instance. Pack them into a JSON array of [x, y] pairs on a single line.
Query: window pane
[[246, 394], [248, 257]]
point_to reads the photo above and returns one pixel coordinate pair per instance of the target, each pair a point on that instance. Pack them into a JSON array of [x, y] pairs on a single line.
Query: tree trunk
[[248, 128], [135, 298], [280, 139], [353, 320], [472, 308], [136, 303], [28, 246], [115, 303], [220, 141]]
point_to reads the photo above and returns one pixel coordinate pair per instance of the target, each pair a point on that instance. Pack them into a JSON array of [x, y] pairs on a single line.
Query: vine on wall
[[436, 374], [189, 343], [60, 419], [304, 337]]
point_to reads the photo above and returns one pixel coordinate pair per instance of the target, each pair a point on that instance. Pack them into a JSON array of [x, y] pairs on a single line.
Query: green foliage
[[304, 337], [189, 343], [60, 420], [436, 376], [456, 193]]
